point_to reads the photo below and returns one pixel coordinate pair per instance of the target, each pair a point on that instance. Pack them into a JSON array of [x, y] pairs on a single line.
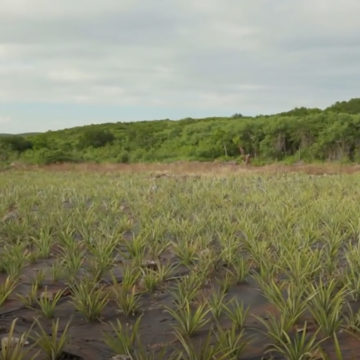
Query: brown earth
[[199, 168]]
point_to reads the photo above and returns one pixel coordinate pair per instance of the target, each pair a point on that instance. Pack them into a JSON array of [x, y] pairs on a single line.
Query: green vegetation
[[160, 249], [298, 135]]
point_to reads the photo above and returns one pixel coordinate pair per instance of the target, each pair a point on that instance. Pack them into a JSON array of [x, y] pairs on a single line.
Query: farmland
[[164, 265]]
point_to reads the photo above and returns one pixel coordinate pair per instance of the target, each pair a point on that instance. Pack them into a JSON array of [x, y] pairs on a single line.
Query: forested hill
[[301, 134]]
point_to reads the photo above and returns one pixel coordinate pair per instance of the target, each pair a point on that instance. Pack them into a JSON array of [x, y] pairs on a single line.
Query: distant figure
[[245, 157]]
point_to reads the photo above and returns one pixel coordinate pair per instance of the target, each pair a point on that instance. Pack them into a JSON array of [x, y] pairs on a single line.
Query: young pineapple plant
[[291, 303], [124, 339], [231, 343], [186, 289], [29, 300], [297, 347], [206, 350], [89, 299], [103, 259], [186, 250], [48, 301], [13, 258], [127, 301], [43, 242], [13, 347], [53, 343], [326, 305], [237, 313], [125, 294], [188, 320], [216, 303], [6, 288]]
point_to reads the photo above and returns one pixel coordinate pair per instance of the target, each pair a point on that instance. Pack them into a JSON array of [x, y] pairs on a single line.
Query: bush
[[16, 143], [95, 138], [123, 157], [55, 156]]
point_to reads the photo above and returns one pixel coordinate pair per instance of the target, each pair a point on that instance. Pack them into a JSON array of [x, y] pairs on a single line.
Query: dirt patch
[[200, 168]]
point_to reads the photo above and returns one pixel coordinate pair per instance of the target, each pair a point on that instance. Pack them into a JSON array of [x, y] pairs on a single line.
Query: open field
[[172, 262]]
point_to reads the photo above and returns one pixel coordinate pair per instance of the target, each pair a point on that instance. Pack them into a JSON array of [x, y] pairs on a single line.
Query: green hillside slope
[[300, 134]]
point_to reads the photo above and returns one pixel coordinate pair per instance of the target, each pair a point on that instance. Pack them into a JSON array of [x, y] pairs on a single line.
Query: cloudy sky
[[72, 62]]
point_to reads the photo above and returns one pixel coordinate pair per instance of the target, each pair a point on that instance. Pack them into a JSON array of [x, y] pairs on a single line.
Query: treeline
[[298, 135]]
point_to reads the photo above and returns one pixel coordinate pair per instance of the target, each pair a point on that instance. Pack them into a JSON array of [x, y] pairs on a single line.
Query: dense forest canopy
[[301, 134]]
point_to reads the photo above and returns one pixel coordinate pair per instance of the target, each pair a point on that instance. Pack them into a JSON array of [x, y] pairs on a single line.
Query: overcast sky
[[72, 62]]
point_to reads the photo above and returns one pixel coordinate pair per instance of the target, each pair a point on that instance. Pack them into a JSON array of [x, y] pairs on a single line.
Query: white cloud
[[69, 75], [260, 55], [5, 120]]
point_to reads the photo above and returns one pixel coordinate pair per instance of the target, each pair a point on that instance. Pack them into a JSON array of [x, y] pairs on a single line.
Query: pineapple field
[[160, 265]]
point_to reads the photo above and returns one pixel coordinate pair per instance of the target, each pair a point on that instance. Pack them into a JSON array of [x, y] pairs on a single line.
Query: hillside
[[298, 135]]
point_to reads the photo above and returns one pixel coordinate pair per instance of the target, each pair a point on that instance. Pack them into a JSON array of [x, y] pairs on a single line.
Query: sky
[[68, 63]]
